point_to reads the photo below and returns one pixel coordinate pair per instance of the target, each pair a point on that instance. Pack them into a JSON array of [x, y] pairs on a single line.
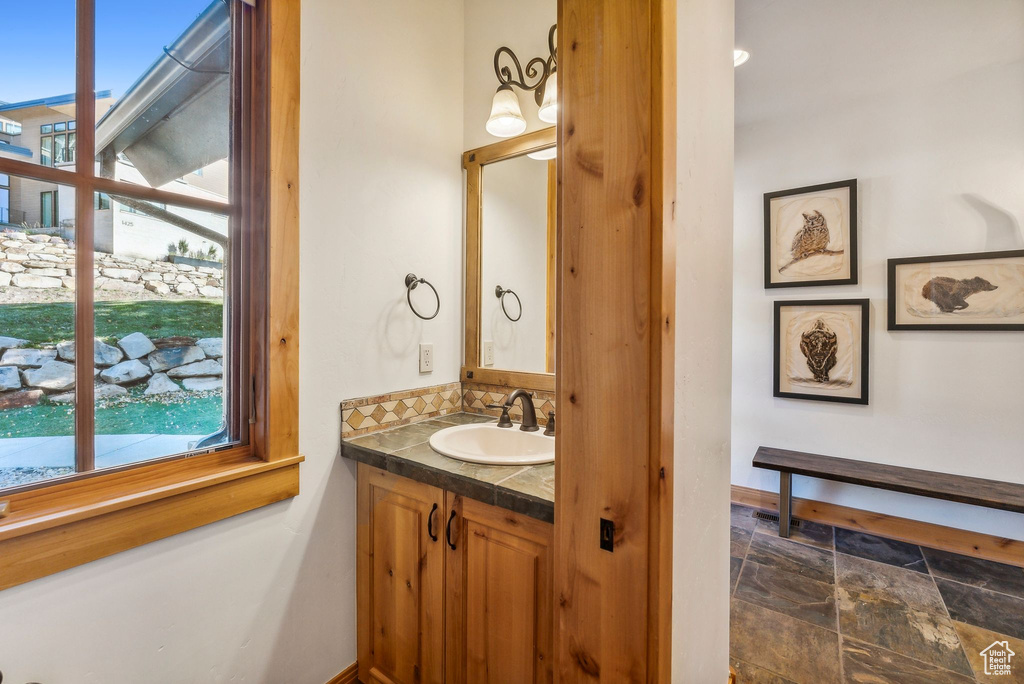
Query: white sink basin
[[488, 443]]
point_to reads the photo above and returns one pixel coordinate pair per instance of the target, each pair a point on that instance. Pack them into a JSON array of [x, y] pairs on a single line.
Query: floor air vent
[[773, 518]]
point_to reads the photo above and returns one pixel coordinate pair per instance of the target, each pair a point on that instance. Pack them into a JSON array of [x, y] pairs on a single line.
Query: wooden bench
[[1005, 496]]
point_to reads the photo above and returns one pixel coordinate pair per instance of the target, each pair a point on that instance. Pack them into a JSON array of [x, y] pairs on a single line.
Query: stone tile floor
[[831, 605]]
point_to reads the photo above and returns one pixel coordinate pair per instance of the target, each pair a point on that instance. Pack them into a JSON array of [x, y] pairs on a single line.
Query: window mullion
[[85, 41]]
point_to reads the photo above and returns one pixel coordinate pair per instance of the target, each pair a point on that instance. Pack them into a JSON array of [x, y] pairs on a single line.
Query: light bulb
[[549, 105], [506, 118]]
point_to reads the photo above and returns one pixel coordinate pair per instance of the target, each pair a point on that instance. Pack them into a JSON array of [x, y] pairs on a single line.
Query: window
[[126, 360], [5, 198], [46, 151], [58, 148], [47, 211]]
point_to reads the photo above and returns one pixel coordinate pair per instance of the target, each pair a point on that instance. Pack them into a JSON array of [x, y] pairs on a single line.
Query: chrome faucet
[[529, 412]]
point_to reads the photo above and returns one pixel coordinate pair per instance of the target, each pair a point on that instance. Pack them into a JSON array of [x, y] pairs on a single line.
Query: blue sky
[[37, 50]]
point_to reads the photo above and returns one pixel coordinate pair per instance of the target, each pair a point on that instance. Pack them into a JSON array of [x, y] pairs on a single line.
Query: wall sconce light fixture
[[506, 119]]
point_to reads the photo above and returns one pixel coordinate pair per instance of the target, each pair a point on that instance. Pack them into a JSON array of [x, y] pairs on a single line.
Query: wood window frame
[[59, 524], [474, 161]]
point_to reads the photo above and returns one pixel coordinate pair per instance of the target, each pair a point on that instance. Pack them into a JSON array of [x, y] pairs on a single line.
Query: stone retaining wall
[[28, 374], [47, 262]]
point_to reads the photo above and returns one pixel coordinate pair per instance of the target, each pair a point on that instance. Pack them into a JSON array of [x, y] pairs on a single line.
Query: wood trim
[[102, 530], [347, 676], [660, 474], [41, 509], [85, 324], [282, 386], [615, 376], [510, 147], [966, 542], [542, 382], [473, 162], [551, 280]]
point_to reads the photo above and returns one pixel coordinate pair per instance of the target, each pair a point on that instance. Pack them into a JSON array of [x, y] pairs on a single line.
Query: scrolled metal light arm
[[537, 68]]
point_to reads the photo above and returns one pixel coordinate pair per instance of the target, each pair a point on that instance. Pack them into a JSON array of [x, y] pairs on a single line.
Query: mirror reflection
[[517, 300]]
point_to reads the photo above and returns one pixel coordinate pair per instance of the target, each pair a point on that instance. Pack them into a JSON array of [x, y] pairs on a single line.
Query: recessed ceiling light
[[739, 57]]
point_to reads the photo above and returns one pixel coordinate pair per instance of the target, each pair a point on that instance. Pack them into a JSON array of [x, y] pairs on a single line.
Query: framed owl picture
[[821, 350], [810, 235]]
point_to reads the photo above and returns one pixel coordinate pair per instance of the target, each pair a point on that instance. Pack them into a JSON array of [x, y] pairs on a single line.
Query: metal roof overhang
[[176, 117]]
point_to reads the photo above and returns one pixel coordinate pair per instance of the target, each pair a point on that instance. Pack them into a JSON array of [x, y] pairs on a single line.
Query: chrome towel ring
[[500, 293], [411, 283]]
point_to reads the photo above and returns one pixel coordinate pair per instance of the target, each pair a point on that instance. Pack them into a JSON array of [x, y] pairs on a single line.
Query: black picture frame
[[769, 196], [893, 264], [865, 329]]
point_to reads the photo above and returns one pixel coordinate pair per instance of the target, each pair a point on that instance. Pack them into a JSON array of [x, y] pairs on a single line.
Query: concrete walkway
[[111, 450]]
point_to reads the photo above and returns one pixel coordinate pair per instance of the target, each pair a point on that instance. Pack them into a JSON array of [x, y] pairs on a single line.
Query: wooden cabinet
[[498, 594], [490, 572], [400, 580]]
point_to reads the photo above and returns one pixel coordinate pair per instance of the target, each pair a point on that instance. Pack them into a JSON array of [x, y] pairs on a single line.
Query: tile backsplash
[[380, 412], [476, 396], [368, 414]]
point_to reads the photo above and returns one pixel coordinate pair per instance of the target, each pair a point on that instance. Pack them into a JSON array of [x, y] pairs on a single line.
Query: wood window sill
[[54, 528]]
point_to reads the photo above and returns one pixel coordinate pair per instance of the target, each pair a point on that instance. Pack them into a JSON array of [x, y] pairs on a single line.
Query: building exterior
[[169, 130]]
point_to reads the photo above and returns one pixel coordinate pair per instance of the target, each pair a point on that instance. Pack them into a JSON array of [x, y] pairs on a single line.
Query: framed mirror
[[511, 244]]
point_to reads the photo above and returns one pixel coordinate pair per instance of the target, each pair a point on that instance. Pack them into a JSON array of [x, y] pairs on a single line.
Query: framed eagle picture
[[980, 291], [821, 350], [810, 235]]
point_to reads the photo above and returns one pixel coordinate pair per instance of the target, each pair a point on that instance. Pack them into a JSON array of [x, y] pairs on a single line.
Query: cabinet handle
[[430, 524], [448, 530]]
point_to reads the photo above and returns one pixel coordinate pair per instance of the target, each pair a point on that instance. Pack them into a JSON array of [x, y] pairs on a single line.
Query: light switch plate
[[426, 358], [488, 352]]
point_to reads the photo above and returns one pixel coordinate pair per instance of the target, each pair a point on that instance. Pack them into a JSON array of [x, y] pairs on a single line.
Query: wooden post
[[616, 63]]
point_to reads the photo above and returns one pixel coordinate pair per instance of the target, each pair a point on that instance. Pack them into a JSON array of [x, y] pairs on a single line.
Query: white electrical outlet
[[488, 353], [426, 358]]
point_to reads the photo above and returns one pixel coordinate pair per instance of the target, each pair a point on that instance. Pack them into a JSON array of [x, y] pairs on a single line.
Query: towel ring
[[500, 293], [411, 283]]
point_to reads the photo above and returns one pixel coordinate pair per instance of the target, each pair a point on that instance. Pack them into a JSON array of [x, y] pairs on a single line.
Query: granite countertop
[[405, 451]]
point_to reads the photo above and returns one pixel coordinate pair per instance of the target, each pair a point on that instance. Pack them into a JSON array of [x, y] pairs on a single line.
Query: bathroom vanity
[[454, 562], [456, 483]]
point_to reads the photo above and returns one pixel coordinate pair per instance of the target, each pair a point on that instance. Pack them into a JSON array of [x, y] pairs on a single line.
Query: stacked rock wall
[[28, 374], [47, 262]]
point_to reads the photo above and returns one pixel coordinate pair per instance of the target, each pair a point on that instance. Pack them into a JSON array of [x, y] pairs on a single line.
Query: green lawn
[[52, 323], [183, 414], [187, 414]]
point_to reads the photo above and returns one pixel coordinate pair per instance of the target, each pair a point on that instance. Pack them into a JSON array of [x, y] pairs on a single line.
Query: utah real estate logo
[[997, 658]]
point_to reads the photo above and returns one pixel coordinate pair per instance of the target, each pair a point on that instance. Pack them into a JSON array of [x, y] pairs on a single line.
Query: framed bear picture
[[810, 235], [981, 291], [821, 350]]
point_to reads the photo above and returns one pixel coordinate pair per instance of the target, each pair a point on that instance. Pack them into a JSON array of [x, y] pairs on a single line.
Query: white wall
[[939, 154], [522, 26], [269, 596], [387, 164], [703, 212], [514, 255]]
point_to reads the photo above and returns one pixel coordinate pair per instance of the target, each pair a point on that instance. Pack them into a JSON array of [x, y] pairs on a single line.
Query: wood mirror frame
[[474, 162]]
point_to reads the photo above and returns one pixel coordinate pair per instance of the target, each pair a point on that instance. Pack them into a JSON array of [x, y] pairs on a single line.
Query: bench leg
[[785, 502]]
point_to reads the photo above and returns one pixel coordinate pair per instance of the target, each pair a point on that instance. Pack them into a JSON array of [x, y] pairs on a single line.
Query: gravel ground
[[21, 295], [13, 477]]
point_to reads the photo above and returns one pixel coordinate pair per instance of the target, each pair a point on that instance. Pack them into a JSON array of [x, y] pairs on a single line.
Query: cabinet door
[[498, 596], [400, 580]]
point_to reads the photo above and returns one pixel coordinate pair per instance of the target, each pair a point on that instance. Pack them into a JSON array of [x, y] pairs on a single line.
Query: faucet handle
[[549, 429], [504, 421]]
